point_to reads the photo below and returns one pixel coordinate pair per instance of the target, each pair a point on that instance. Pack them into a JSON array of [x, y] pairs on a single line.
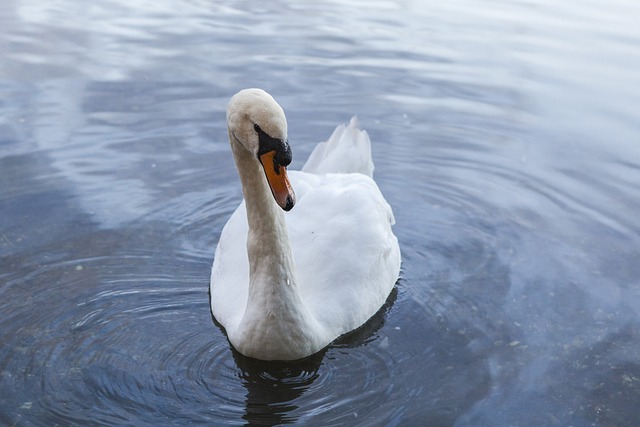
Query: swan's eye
[[266, 143]]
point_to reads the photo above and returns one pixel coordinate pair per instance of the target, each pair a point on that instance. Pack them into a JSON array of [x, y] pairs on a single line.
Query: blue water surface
[[506, 137]]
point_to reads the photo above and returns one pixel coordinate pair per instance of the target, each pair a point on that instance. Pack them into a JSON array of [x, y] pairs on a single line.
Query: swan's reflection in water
[[274, 387]]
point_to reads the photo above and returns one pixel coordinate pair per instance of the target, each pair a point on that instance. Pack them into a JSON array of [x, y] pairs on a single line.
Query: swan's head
[[258, 123]]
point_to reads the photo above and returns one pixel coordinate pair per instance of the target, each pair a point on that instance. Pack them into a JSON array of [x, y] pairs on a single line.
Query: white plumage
[[285, 285]]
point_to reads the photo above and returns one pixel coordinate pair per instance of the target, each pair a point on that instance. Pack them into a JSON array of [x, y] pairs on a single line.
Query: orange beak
[[278, 181]]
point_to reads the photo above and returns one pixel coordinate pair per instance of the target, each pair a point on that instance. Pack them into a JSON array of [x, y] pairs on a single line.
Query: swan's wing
[[346, 254], [348, 150], [347, 257], [229, 286]]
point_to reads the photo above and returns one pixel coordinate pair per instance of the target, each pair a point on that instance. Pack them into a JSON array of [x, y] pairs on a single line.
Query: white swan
[[284, 286]]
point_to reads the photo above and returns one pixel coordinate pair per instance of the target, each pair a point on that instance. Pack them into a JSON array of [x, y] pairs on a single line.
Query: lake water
[[506, 136]]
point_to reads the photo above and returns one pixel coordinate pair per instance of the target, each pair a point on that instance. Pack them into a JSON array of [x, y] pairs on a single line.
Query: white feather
[[346, 258]]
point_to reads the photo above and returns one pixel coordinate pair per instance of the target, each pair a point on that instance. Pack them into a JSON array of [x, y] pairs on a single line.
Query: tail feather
[[348, 150]]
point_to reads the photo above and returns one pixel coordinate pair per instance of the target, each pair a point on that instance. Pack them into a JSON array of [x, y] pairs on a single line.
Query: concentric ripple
[[505, 139]]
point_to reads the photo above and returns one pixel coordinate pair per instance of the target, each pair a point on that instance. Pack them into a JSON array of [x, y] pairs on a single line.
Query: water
[[505, 136]]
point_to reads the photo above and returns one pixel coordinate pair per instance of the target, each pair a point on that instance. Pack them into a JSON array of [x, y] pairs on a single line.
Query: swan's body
[[285, 285]]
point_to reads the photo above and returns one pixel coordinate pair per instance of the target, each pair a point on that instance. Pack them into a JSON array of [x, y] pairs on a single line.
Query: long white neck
[[276, 324]]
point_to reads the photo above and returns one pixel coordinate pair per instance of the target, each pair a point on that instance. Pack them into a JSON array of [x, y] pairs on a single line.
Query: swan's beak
[[278, 180]]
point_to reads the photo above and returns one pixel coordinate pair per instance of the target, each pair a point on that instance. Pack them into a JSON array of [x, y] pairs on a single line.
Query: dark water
[[505, 135]]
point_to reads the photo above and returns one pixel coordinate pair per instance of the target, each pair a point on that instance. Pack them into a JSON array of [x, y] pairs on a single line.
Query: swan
[[287, 281]]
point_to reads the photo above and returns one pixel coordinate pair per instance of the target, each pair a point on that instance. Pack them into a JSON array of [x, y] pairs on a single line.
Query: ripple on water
[[88, 364], [514, 185]]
